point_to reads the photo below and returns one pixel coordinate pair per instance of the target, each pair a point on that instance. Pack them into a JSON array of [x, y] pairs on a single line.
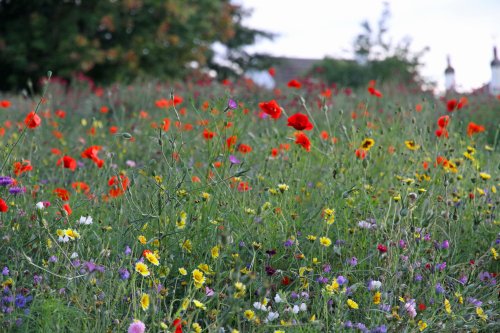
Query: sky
[[466, 30]]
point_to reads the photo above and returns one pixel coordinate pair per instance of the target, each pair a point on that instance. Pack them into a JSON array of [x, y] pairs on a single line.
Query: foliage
[[375, 59], [204, 213], [117, 40]]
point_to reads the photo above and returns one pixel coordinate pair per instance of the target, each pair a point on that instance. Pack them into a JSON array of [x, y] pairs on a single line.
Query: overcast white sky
[[464, 29]]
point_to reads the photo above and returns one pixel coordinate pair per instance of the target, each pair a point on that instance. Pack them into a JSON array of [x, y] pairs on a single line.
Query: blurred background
[[345, 43]]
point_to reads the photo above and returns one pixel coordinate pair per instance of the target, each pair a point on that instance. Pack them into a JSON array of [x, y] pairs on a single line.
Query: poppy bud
[[127, 136]]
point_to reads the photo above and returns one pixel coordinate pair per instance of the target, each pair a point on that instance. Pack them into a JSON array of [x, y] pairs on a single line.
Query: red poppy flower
[[61, 114], [473, 128], [303, 140], [231, 141], [177, 323], [285, 281], [462, 102], [294, 84], [418, 107], [300, 122], [91, 153], [32, 120], [113, 130], [374, 92], [382, 248], [165, 124], [421, 307], [208, 135], [451, 105], [274, 152], [68, 162], [104, 109], [22, 167], [81, 187], [68, 209], [271, 108], [360, 153], [3, 206], [327, 93], [443, 121], [244, 149], [62, 193], [118, 185], [243, 187], [5, 104], [271, 71], [442, 132]]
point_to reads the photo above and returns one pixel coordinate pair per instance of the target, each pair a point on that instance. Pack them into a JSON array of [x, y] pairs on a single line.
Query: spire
[[449, 69], [495, 61]]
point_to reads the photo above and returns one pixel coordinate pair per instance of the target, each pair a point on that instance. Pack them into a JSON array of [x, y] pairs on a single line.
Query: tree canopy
[[109, 40]]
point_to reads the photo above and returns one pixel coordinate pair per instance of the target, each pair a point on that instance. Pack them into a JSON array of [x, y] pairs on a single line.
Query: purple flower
[[128, 250], [385, 307], [341, 280], [37, 279], [231, 104], [53, 259], [439, 288], [475, 302], [463, 279], [402, 244], [327, 268], [353, 261], [348, 324], [418, 277], [445, 244], [124, 273], [288, 243], [5, 271], [322, 279], [6, 180], [234, 160], [484, 276], [17, 190], [270, 271], [294, 295]]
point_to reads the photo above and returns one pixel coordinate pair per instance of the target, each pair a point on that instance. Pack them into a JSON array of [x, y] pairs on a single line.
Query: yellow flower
[[377, 297], [145, 302], [410, 144], [205, 196], [72, 234], [480, 313], [182, 271], [185, 304], [152, 258], [422, 325], [334, 286], [484, 175], [325, 241], [283, 187], [352, 304], [279, 331], [312, 238], [494, 253], [142, 239], [187, 245], [199, 304], [196, 328], [206, 269], [181, 221], [249, 314], [142, 269], [215, 252], [367, 144], [198, 278], [241, 289], [329, 215], [447, 306]]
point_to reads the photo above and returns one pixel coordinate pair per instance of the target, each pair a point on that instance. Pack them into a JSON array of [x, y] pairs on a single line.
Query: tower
[[494, 85], [449, 76]]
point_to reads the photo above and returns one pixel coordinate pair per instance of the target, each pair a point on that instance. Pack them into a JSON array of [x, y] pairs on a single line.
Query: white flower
[[40, 205], [74, 255], [295, 309], [63, 239], [85, 220], [374, 285], [272, 316], [303, 307], [278, 299], [259, 306]]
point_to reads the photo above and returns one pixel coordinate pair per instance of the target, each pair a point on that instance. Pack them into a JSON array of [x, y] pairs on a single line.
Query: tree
[[375, 59], [111, 40]]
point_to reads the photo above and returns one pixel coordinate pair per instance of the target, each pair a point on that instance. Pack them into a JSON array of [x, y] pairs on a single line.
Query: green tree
[[111, 40]]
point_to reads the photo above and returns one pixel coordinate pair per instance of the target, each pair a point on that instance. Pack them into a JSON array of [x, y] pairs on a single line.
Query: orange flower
[[68, 209], [244, 149], [81, 187], [231, 141], [62, 193], [118, 185], [32, 120], [473, 128], [20, 168]]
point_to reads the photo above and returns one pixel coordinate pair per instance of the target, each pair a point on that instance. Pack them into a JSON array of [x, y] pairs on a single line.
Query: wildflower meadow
[[208, 207]]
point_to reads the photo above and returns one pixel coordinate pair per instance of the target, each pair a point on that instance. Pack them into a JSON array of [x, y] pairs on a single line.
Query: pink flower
[[137, 327]]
